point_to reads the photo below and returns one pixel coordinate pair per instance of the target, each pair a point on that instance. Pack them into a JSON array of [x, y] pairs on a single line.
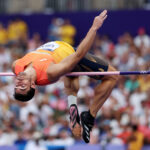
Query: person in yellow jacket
[[3, 34], [17, 29], [67, 32], [136, 139]]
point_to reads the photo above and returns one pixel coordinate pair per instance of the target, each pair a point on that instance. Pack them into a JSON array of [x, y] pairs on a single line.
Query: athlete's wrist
[[93, 29]]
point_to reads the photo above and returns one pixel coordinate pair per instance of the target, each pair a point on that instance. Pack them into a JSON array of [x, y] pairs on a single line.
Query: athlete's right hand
[[98, 20]]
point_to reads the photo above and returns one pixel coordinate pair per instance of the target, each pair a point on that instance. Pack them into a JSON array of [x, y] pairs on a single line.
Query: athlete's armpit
[[55, 71]]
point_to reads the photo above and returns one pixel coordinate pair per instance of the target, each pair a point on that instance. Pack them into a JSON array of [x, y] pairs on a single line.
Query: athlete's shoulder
[[13, 65]]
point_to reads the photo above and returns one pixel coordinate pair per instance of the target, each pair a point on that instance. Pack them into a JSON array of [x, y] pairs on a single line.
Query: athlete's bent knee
[[113, 78]]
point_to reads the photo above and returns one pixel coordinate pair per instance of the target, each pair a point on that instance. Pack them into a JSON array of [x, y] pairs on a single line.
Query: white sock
[[72, 100]]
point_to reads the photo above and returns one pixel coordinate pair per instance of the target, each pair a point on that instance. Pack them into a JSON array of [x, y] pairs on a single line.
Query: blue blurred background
[[123, 123]]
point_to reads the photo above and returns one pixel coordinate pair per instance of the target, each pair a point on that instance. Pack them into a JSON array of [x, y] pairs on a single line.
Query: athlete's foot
[[75, 121], [87, 122]]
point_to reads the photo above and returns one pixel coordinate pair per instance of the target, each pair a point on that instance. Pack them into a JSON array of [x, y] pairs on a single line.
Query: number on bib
[[50, 46]]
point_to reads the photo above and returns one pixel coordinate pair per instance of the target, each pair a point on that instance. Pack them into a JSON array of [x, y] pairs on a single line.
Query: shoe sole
[[74, 115], [75, 121]]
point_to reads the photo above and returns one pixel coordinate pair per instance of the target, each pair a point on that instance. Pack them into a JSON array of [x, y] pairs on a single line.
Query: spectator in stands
[[142, 40], [144, 83], [131, 83], [136, 100], [17, 29], [95, 136], [35, 143], [68, 32], [3, 34], [12, 30], [34, 42], [54, 29], [5, 56], [22, 29], [135, 140], [126, 133], [121, 47]]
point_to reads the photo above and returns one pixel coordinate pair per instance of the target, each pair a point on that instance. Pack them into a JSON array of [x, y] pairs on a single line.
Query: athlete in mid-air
[[53, 60]]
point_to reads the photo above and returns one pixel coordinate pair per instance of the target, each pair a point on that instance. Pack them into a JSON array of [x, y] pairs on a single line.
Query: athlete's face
[[22, 83]]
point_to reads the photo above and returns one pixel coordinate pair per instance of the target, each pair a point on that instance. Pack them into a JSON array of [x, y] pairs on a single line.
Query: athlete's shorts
[[91, 63]]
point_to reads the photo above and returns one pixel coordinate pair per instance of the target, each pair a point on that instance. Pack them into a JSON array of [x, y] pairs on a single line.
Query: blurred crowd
[[123, 119]]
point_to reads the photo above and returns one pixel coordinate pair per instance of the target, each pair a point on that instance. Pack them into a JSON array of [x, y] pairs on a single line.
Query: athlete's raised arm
[[66, 65], [87, 42]]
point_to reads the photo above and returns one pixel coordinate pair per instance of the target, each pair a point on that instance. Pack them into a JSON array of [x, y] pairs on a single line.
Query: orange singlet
[[42, 58]]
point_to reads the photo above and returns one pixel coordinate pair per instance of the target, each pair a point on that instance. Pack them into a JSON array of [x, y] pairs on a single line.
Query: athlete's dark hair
[[25, 97]]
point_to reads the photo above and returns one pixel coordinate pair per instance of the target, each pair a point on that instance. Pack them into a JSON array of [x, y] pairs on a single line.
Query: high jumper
[[55, 59]]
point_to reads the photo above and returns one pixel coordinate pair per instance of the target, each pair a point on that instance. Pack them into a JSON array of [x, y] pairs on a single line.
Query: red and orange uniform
[[42, 57]]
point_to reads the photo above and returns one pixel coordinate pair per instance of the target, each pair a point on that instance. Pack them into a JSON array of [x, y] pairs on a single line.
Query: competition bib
[[50, 46]]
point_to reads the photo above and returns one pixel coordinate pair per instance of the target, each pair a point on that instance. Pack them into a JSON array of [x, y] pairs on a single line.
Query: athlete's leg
[[71, 89], [102, 91], [71, 85]]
